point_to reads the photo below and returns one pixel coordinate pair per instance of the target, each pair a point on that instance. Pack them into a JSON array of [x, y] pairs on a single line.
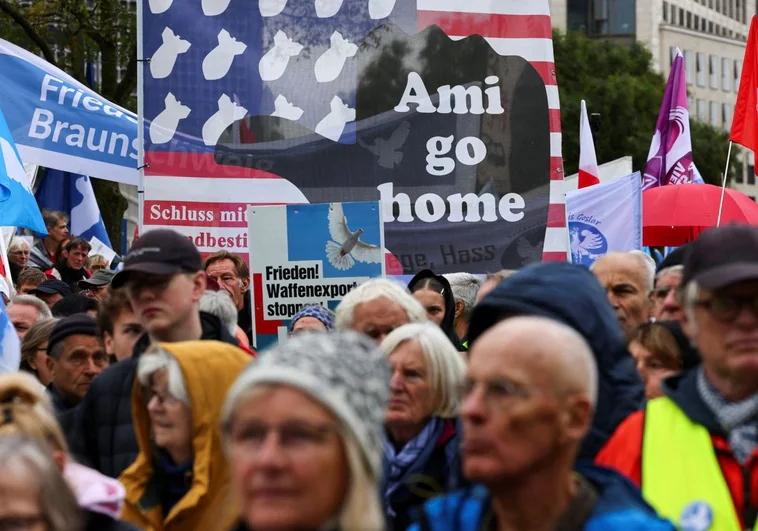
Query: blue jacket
[[619, 507], [571, 295]]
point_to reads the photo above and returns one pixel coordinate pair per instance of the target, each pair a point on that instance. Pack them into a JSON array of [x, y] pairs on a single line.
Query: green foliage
[[618, 82], [70, 33]]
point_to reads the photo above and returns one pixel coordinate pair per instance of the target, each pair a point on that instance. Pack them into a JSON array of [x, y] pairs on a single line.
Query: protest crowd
[[553, 397]]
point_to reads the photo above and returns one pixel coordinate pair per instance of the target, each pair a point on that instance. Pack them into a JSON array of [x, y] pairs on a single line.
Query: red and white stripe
[[515, 27], [588, 171]]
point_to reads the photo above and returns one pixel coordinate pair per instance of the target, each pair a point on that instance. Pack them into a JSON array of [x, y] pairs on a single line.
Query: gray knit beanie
[[344, 371]]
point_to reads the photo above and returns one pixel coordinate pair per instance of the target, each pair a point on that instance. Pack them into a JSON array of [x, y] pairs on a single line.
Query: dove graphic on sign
[[347, 246]]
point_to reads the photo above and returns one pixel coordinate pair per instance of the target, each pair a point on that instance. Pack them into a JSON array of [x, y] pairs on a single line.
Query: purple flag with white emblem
[[670, 157]]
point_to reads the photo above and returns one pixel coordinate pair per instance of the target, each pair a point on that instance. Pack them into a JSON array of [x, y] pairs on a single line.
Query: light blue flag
[[17, 205], [605, 217], [58, 122], [10, 346]]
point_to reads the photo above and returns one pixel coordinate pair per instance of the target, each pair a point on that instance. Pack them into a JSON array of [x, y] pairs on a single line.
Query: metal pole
[[140, 118], [723, 183]]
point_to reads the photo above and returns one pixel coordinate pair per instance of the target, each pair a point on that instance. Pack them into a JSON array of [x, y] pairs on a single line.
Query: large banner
[[605, 217], [445, 110], [59, 123], [309, 254]]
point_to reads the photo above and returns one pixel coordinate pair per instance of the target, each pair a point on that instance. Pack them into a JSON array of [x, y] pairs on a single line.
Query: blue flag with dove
[[10, 345], [17, 205]]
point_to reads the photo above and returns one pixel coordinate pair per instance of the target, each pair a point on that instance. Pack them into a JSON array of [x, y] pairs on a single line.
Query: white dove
[[388, 150], [583, 244], [347, 246]]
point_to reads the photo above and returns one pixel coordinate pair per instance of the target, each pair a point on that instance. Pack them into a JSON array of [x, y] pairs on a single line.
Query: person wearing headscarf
[[303, 431], [313, 318], [180, 479], [436, 296]]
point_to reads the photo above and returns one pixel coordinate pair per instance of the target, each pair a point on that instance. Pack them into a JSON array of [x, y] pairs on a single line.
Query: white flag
[[605, 217], [588, 173]]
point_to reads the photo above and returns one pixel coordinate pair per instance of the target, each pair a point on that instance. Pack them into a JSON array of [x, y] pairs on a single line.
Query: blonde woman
[[303, 430]]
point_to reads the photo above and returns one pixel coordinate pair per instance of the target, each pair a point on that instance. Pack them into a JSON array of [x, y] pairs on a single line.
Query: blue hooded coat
[[571, 295]]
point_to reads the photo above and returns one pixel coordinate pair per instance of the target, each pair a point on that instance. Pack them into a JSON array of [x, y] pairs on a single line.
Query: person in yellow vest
[[694, 451], [180, 479]]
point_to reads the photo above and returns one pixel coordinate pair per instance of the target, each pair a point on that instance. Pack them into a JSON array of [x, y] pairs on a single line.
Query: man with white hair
[[665, 303], [24, 311], [529, 397], [694, 451], [377, 307], [465, 286], [627, 278]]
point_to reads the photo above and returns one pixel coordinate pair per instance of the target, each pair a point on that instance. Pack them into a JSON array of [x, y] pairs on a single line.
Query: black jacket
[[449, 319], [60, 404], [100, 522], [245, 317], [571, 295], [101, 434]]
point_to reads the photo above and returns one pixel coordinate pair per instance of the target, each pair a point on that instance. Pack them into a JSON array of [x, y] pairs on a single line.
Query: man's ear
[[199, 284], [245, 284], [459, 307], [577, 417], [50, 362], [108, 343]]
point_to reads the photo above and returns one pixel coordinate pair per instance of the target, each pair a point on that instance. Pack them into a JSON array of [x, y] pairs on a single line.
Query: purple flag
[[670, 157]]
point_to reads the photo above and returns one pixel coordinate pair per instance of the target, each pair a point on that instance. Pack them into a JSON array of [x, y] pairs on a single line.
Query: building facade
[[711, 34]]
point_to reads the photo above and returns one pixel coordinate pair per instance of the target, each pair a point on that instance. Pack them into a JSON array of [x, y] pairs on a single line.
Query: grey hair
[[17, 243], [22, 455], [31, 300], [465, 287], [689, 298], [644, 260], [675, 269], [220, 304], [373, 289], [158, 359], [444, 364]]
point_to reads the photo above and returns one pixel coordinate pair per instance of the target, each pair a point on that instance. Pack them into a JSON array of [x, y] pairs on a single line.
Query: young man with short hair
[[118, 325]]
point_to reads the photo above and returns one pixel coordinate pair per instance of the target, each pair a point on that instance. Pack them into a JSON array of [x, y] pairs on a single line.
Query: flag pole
[[6, 265], [723, 183]]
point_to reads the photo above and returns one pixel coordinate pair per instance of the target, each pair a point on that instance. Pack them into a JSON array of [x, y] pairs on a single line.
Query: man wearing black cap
[[164, 279], [97, 286], [51, 291], [75, 356], [695, 450]]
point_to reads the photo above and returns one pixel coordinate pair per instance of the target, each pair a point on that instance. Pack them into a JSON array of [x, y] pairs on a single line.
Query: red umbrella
[[675, 214]]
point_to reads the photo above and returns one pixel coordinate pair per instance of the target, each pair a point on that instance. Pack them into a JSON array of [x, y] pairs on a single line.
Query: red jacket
[[623, 451]]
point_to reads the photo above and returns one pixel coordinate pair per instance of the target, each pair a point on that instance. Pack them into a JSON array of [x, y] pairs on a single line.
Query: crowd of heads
[[494, 379]]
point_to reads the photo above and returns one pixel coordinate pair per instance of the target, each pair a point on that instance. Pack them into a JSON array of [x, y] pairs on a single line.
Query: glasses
[[293, 438], [726, 308], [164, 399]]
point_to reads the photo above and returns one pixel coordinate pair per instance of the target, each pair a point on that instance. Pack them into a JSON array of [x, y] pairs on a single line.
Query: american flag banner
[[446, 111]]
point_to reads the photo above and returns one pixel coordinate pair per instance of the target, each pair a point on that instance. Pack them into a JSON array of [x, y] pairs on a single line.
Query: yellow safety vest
[[681, 477]]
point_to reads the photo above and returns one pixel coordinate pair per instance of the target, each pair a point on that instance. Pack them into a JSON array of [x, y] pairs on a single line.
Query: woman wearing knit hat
[[314, 318], [303, 430]]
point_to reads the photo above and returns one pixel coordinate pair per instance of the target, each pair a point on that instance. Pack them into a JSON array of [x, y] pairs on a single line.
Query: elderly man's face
[[665, 303], [378, 317], [513, 415], [726, 333], [225, 273], [624, 283], [23, 316]]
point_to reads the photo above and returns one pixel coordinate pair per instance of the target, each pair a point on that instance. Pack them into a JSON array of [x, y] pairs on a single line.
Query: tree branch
[[128, 82], [29, 30]]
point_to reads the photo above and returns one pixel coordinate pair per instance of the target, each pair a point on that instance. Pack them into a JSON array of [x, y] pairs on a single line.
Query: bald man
[[628, 281], [529, 398]]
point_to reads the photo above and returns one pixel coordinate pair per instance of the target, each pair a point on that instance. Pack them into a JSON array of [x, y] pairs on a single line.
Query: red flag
[[588, 172], [745, 122]]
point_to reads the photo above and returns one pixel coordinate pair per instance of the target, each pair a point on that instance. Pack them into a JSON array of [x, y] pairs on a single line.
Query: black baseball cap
[[160, 252], [674, 258], [101, 277], [49, 287], [722, 256]]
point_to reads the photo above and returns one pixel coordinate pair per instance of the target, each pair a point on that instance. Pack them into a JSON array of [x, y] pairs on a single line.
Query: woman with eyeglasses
[[34, 350], [302, 428], [421, 457], [180, 479]]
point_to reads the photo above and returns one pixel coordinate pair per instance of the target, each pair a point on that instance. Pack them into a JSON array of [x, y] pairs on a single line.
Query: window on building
[[726, 74], [613, 17], [710, 27], [697, 22], [718, 6], [739, 178], [689, 66], [701, 69], [710, 4], [689, 20], [715, 114], [726, 116], [737, 74], [665, 11], [751, 176], [713, 68], [681, 16], [578, 15], [702, 111]]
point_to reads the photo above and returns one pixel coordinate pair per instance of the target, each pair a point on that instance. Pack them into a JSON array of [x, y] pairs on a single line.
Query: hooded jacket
[[619, 507], [447, 322], [209, 369], [101, 433], [571, 295]]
